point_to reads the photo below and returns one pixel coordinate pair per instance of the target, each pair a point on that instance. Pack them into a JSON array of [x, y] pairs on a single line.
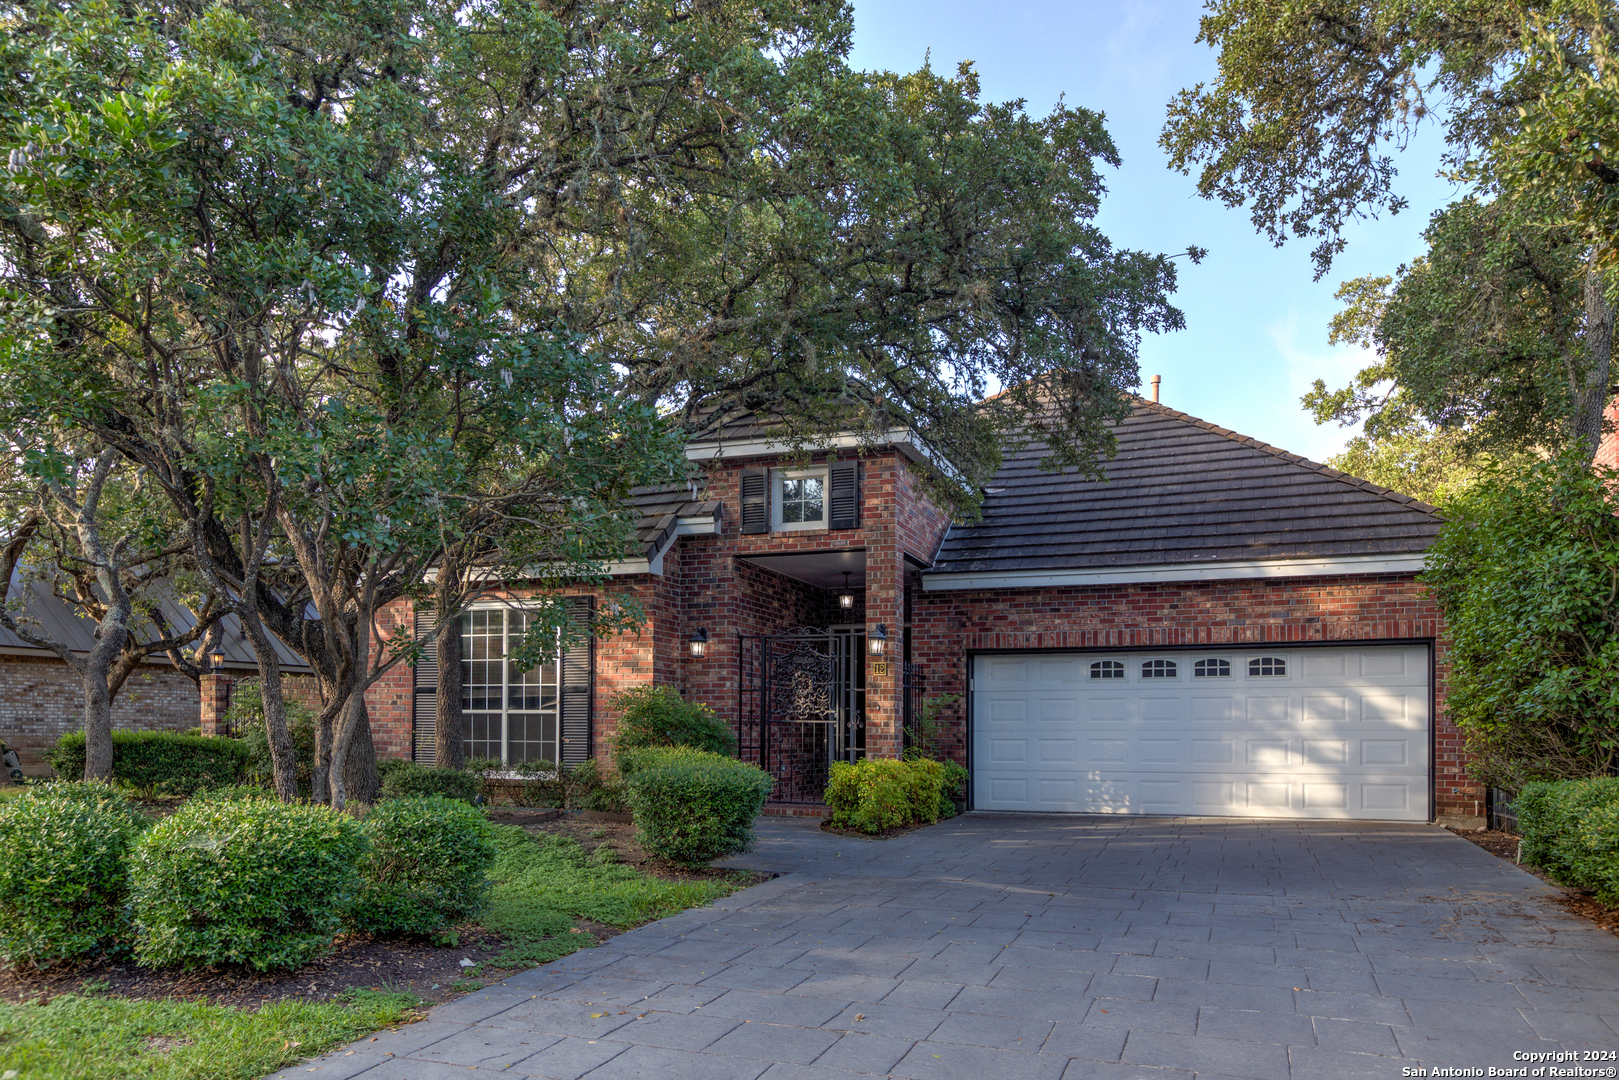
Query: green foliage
[[252, 882], [77, 1037], [658, 716], [158, 762], [246, 717], [878, 794], [404, 779], [64, 874], [544, 883], [426, 868], [585, 786], [1524, 572], [692, 807], [1571, 829], [1431, 464]]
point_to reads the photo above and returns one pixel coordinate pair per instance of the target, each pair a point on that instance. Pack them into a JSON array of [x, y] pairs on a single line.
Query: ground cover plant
[[95, 1037], [544, 883]]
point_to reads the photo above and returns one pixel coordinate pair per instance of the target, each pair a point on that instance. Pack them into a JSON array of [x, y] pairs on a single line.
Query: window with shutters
[[510, 714], [798, 499]]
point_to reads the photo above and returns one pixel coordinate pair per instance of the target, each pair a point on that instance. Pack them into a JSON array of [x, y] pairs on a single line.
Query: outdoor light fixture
[[219, 661], [699, 643], [846, 598], [876, 640]]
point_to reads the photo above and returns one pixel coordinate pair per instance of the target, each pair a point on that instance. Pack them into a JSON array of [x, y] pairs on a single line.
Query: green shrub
[[243, 881], [403, 779], [1571, 830], [427, 866], [659, 716], [878, 794], [246, 718], [64, 872], [691, 806], [158, 762]]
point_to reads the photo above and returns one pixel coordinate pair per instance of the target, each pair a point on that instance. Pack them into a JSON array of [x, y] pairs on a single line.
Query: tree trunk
[[97, 720], [283, 752], [1592, 406], [448, 745], [361, 781]]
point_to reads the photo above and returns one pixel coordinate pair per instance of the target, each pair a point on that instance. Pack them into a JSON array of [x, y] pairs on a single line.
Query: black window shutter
[[845, 495], [578, 666], [424, 732], [755, 501]]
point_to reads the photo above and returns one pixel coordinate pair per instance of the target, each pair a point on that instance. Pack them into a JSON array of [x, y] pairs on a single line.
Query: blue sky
[[1256, 324]]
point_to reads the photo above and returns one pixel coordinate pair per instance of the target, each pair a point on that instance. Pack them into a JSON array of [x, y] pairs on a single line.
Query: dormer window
[[800, 499]]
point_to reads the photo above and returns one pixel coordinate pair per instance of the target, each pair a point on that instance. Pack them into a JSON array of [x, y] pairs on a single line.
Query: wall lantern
[[846, 598], [876, 640], [699, 643], [219, 661]]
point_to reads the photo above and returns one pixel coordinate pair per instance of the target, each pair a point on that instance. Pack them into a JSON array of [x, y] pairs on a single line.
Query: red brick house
[[1220, 628]]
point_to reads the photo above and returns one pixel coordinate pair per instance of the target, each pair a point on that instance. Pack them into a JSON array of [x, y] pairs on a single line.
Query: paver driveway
[[1004, 948]]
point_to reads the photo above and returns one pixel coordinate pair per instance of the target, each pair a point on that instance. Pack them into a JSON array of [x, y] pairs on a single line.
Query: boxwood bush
[[1571, 830], [691, 806], [427, 866], [404, 779], [243, 881], [659, 716], [878, 794], [159, 762], [64, 872]]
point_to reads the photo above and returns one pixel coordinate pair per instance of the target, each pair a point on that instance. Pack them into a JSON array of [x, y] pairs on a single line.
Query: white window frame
[[506, 710], [821, 473]]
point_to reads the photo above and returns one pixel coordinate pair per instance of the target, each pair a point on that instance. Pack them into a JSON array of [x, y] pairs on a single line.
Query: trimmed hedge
[[243, 881], [161, 762], [1571, 830], [404, 779], [651, 716], [64, 872], [427, 867], [878, 794], [691, 806]]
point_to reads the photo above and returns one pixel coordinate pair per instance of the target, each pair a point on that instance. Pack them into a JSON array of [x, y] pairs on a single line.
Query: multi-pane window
[[1270, 666], [1107, 669], [509, 714], [803, 500], [1158, 669], [1211, 669]]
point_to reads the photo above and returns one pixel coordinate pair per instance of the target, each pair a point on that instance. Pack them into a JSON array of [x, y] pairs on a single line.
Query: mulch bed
[[827, 826], [432, 972], [1581, 902]]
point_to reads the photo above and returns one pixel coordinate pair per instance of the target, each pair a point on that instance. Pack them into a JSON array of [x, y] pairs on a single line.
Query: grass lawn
[[93, 1037]]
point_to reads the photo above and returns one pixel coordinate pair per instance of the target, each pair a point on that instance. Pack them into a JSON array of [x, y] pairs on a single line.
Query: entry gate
[[801, 705]]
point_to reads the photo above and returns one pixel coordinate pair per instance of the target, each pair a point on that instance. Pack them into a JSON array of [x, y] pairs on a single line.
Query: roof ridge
[[1328, 471]]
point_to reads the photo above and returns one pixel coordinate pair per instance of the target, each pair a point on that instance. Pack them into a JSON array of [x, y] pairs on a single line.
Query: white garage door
[[1301, 733]]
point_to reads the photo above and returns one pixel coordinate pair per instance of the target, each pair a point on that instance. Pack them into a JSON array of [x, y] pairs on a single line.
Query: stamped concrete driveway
[[1004, 948]]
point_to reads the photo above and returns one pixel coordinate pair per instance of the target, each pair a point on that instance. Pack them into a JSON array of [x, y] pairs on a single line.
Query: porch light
[[699, 643], [876, 640], [219, 660], [846, 598]]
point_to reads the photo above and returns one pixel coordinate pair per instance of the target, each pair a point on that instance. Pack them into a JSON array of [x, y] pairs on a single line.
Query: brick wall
[[950, 625], [41, 700]]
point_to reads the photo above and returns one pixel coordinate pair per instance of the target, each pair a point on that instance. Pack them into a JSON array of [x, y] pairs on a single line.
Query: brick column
[[215, 700]]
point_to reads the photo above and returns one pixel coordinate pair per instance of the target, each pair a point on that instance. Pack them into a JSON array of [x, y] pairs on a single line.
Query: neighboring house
[[41, 699], [1221, 628]]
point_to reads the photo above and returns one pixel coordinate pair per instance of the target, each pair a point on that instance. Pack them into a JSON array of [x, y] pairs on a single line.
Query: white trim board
[[1205, 571]]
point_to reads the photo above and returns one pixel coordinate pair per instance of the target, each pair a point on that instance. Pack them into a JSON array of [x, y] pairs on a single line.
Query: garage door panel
[[1311, 735]]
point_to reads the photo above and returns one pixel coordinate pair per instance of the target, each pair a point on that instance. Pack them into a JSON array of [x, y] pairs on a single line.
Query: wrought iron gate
[[801, 705]]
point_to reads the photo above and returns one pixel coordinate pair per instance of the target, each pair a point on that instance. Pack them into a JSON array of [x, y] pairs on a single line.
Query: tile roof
[[1181, 490]]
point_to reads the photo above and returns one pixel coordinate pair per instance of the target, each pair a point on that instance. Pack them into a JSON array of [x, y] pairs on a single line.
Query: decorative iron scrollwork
[[801, 684]]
